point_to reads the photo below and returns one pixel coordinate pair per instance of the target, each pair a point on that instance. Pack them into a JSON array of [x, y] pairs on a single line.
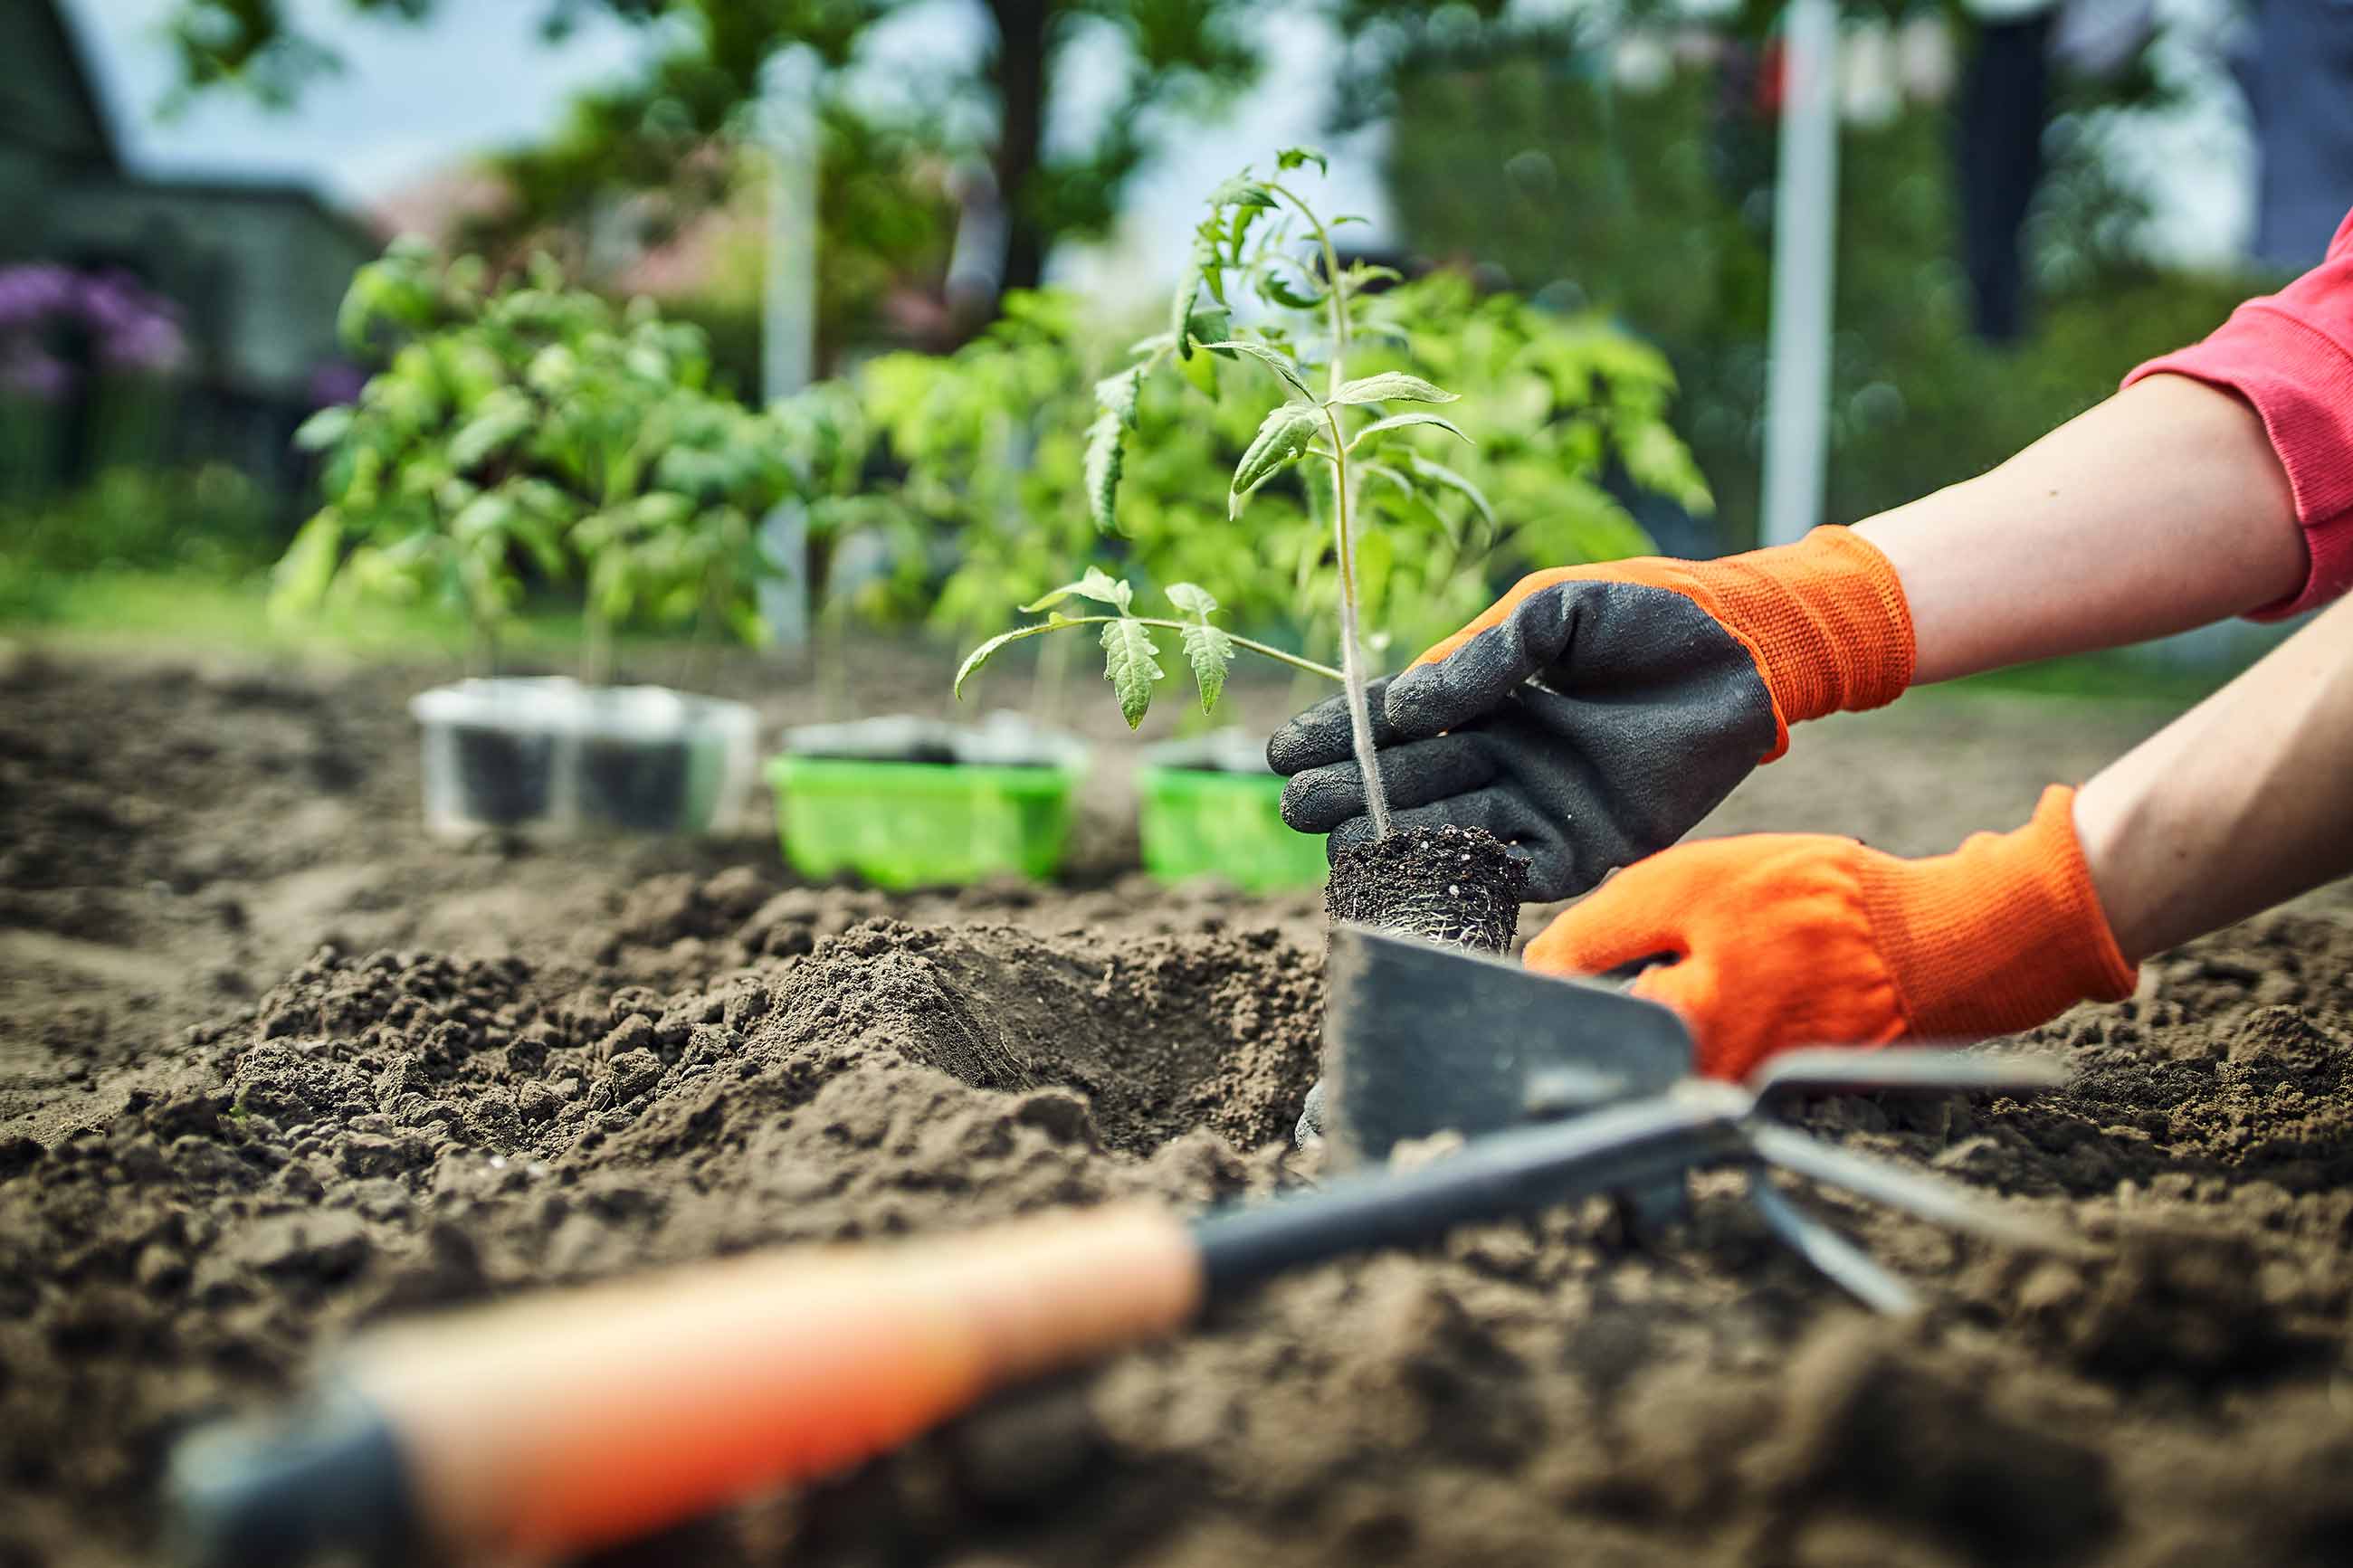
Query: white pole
[[1805, 246], [788, 312]]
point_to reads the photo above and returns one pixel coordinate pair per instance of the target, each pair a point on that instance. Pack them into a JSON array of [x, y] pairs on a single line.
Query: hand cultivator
[[485, 1434]]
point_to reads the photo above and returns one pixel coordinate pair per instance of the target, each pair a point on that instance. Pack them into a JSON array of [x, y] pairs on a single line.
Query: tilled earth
[[272, 1066]]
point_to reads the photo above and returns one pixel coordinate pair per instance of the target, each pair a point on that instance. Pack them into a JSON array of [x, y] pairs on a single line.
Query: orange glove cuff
[[1826, 618], [1999, 935]]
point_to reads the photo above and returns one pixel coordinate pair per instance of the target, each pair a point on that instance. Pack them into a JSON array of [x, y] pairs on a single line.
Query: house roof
[[54, 104]]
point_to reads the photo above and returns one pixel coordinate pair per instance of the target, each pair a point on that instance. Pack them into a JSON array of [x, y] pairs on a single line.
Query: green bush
[[991, 446], [536, 430]]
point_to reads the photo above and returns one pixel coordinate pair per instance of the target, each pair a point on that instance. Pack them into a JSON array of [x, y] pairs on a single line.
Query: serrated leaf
[[1279, 364], [1192, 598], [1206, 648], [1297, 157], [1283, 435], [1392, 386], [1439, 474], [1106, 457], [1097, 584], [1242, 191], [1209, 651], [1131, 663], [1117, 393], [1399, 422]]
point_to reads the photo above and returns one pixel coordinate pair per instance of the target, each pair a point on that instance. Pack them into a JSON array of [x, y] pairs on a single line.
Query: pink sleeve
[[2290, 354]]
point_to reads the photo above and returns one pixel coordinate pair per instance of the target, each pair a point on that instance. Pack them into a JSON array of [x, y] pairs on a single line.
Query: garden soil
[[272, 1066]]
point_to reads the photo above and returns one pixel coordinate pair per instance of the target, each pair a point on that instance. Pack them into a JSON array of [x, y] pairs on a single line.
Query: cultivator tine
[[1846, 1265], [1847, 1071], [1928, 1197]]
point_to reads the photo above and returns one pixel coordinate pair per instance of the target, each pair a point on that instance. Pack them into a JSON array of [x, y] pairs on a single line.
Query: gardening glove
[[1782, 940], [1596, 712]]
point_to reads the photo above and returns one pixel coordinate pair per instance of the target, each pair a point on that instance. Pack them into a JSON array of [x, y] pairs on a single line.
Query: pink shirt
[[2291, 356]]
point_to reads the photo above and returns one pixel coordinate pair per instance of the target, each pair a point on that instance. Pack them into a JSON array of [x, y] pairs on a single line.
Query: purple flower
[[131, 328], [33, 292], [334, 382]]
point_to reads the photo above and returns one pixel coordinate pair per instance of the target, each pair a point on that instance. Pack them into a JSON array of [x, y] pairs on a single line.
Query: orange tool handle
[[558, 1424]]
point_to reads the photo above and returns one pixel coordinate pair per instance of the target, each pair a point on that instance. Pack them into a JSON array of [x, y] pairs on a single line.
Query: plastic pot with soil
[[1209, 806], [900, 802], [548, 755]]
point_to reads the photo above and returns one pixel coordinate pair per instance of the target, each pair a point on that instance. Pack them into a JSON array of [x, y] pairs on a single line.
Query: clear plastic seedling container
[[546, 754]]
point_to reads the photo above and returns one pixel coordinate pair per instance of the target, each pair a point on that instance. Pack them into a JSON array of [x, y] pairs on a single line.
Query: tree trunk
[[1021, 73]]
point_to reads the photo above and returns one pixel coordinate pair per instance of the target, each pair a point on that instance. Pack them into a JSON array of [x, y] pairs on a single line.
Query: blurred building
[[256, 269]]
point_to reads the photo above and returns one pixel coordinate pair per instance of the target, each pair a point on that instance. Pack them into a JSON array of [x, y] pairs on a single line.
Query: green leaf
[[1131, 663], [1243, 191], [1281, 437], [1281, 364], [1180, 311], [1201, 370], [1399, 422], [1292, 158], [299, 582], [1192, 598], [1206, 648], [1106, 457], [980, 656], [324, 428], [1392, 386], [1276, 290], [1097, 584], [1117, 393], [1439, 474]]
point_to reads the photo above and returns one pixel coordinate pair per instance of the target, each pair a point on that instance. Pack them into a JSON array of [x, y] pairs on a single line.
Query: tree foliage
[[659, 134]]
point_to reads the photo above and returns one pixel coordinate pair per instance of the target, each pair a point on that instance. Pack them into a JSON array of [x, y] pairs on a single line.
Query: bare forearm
[[2164, 507], [2237, 804]]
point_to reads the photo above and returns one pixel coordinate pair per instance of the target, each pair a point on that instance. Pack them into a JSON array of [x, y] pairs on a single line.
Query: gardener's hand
[[1785, 940], [1597, 712]]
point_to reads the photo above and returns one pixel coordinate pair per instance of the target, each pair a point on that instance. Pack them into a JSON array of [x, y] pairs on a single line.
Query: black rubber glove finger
[[1320, 736], [1320, 799], [1480, 676]]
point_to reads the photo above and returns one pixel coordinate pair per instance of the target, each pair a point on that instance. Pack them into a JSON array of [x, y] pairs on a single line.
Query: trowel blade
[[1420, 1039]]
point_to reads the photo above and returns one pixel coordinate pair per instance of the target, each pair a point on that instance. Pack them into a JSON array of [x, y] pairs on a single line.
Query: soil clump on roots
[[704, 1061], [1459, 886]]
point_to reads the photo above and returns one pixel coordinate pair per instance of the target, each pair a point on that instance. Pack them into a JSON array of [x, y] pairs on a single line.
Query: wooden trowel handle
[[562, 1423]]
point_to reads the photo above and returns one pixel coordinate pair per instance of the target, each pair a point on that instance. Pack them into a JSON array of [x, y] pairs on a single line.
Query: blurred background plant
[[1568, 416], [1585, 188], [529, 430]]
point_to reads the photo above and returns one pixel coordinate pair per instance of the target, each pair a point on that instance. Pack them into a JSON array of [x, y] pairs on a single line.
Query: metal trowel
[[1420, 1039]]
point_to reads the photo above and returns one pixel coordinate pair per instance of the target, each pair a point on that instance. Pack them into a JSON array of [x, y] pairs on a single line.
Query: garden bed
[[263, 1084]]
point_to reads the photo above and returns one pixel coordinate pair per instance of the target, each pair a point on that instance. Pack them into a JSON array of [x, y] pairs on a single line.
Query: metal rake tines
[[1776, 1147]]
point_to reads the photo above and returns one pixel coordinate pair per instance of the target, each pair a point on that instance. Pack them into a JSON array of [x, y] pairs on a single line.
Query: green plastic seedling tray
[[922, 824], [1197, 822]]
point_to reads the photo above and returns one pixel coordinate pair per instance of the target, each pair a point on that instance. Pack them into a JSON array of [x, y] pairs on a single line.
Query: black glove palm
[[1594, 725]]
